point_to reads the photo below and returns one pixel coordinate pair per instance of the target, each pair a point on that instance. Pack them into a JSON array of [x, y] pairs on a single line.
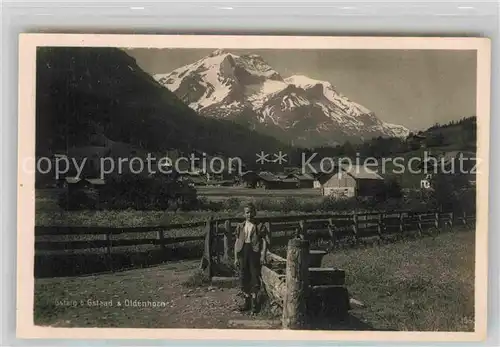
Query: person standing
[[250, 251]]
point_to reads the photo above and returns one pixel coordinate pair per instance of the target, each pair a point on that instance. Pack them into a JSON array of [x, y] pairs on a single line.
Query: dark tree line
[[435, 136]]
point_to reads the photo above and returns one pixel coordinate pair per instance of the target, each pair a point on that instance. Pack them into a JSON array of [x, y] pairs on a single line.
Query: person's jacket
[[258, 234]]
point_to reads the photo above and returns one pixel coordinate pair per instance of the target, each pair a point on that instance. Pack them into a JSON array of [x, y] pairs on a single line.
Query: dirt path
[[155, 297], [205, 307]]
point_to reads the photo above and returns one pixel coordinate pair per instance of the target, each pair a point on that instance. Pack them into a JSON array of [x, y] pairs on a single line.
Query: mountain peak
[[218, 51], [229, 86], [304, 81]]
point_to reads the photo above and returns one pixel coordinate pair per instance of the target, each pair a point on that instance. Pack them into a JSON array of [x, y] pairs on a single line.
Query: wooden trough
[[327, 295]]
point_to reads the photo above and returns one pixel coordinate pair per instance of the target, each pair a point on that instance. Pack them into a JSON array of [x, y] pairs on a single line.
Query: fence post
[[355, 227], [269, 229], [302, 229], [108, 250], [420, 230], [380, 226], [161, 240], [297, 285], [206, 260], [401, 223], [227, 240], [436, 221], [216, 249], [332, 230]]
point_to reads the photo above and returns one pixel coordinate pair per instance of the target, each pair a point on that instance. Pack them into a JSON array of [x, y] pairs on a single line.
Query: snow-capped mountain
[[296, 109]]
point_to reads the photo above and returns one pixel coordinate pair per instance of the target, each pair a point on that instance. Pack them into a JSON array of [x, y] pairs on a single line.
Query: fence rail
[[359, 224], [218, 234]]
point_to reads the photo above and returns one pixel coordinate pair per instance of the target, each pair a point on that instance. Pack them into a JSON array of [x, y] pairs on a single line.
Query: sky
[[414, 88]]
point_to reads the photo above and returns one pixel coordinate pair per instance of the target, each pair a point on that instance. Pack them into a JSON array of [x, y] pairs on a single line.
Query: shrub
[[452, 192], [132, 191], [148, 193], [309, 206], [332, 204], [75, 199], [202, 203], [232, 204], [392, 189], [267, 204], [289, 204]]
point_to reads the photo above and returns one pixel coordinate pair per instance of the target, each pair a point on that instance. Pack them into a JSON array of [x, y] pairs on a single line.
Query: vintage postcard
[[253, 187]]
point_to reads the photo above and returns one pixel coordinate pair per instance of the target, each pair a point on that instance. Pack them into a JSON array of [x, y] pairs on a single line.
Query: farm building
[[304, 180], [249, 179], [317, 169], [416, 140], [321, 179], [319, 172], [115, 158], [353, 181], [218, 174], [82, 191], [460, 162], [82, 183], [288, 183], [90, 157], [268, 180], [193, 180]]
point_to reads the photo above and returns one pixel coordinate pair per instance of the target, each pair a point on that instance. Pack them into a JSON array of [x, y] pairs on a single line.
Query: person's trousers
[[249, 269]]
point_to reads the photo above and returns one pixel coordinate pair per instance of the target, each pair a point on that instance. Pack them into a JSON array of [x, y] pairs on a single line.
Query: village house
[[319, 172], [417, 140], [288, 183], [249, 179], [115, 159], [84, 191], [267, 180], [75, 183], [304, 180], [320, 179], [353, 181], [450, 162], [193, 180], [217, 175], [214, 170]]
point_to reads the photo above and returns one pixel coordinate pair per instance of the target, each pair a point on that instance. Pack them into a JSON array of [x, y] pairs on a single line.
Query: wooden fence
[[110, 237], [218, 234], [337, 229], [308, 293]]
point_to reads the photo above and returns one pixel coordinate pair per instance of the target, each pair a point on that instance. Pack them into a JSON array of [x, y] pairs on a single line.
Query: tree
[[348, 150], [390, 189], [157, 192], [452, 192], [435, 140]]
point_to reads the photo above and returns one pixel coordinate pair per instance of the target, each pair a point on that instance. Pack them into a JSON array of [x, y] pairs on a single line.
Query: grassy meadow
[[217, 193], [424, 285], [219, 202], [412, 285], [420, 285]]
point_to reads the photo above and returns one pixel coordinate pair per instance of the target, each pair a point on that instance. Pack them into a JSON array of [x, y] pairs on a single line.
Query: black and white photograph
[[237, 187]]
